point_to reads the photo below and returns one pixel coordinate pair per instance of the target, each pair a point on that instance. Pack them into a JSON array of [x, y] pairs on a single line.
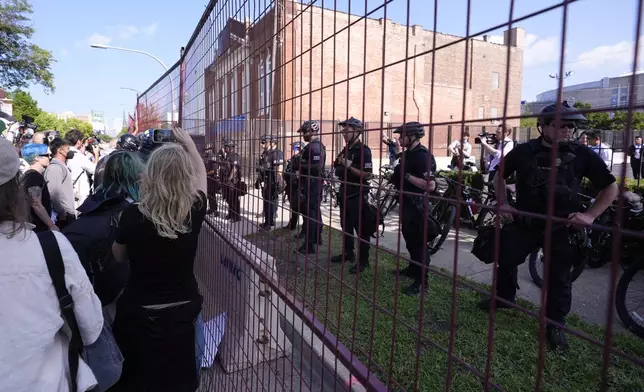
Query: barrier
[[252, 333]]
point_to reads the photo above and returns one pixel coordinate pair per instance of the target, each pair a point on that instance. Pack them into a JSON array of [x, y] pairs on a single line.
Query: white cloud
[[619, 55], [539, 51], [98, 39], [126, 32], [150, 30], [495, 39]]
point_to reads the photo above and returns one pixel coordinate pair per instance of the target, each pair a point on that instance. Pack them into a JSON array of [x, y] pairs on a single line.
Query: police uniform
[[530, 162], [231, 191], [291, 185], [271, 161], [353, 194], [313, 154]]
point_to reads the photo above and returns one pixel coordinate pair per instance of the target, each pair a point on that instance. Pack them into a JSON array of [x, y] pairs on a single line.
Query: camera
[[163, 136], [92, 143], [490, 138]]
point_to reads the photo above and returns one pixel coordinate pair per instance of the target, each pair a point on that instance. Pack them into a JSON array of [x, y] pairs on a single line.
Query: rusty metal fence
[[284, 310]]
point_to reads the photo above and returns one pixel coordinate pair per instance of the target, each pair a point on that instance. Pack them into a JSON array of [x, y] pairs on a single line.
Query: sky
[[599, 41]]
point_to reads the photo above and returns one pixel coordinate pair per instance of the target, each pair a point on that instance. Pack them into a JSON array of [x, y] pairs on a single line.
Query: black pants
[[231, 195], [212, 191], [350, 221], [269, 197], [517, 242], [413, 231], [294, 201], [636, 166], [158, 347], [313, 214]]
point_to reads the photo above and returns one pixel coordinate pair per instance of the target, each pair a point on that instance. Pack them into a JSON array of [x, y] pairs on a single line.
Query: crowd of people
[[98, 256]]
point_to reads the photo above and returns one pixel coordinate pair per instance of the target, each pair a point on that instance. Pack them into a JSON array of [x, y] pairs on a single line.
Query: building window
[[224, 107], [262, 86], [496, 80], [269, 82], [481, 113], [494, 114], [233, 94]]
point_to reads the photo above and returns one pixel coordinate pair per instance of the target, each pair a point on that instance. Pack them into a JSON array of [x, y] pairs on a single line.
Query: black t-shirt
[[360, 156], [418, 163], [313, 154], [271, 161], [161, 269], [34, 184], [531, 162]]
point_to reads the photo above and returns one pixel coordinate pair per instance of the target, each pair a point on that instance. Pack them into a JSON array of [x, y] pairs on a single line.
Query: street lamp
[[131, 89], [101, 46]]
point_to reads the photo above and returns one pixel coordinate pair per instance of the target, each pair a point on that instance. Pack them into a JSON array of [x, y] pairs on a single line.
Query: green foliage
[[23, 103], [104, 138], [474, 180], [72, 123], [602, 120], [528, 122], [21, 62], [123, 131], [47, 121]]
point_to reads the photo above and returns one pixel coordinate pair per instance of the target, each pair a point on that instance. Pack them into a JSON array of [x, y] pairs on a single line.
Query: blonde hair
[[167, 190]]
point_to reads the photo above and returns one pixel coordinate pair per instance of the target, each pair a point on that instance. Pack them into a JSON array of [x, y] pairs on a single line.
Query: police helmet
[[412, 128], [263, 139], [567, 113], [352, 122], [309, 125], [228, 142], [128, 142]]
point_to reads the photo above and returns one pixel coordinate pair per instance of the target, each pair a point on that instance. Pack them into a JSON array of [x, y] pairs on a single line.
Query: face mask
[[70, 155]]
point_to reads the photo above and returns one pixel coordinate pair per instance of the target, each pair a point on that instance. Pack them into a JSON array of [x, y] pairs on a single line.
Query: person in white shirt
[[635, 153], [34, 341], [601, 149], [496, 152], [461, 148], [81, 167]]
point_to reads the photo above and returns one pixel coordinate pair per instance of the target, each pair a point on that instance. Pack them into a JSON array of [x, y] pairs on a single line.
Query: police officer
[[214, 163], [310, 174], [230, 180], [291, 184], [271, 163], [531, 162], [354, 168], [415, 172]]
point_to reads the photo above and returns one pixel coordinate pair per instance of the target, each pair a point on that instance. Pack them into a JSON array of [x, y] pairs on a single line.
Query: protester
[[461, 148], [600, 148], [156, 314], [59, 182], [93, 232], [33, 182], [33, 343], [635, 153], [81, 166]]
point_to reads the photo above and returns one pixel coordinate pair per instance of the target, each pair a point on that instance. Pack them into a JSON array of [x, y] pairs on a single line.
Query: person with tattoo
[[33, 182]]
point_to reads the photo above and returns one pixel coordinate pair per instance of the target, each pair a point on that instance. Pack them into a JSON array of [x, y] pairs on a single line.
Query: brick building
[[329, 76]]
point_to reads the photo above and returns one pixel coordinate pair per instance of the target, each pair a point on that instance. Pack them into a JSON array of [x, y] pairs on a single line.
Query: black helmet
[[228, 142], [147, 144], [273, 139], [128, 142], [311, 125], [352, 122], [412, 128], [568, 113]]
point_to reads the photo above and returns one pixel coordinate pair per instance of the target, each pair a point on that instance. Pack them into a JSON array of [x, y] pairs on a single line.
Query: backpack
[[92, 236]]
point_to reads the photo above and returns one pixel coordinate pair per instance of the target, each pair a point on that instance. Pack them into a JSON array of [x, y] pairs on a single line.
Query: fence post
[[514, 133], [529, 133], [138, 115], [449, 138], [182, 73]]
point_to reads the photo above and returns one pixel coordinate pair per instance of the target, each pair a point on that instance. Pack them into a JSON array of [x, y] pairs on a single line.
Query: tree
[[73, 123], [21, 62], [123, 131], [597, 120], [47, 121], [104, 138], [528, 122], [23, 103]]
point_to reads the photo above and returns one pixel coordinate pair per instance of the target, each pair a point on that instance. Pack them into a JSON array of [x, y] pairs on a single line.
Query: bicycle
[[632, 320]]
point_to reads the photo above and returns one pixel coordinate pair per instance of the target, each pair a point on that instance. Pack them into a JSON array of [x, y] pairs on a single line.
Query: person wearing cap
[[59, 182], [354, 168], [35, 186], [291, 184], [231, 179], [531, 163], [310, 177], [414, 176], [34, 341], [271, 173]]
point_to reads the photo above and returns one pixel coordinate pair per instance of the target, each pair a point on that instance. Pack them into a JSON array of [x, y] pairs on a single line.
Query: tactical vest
[[567, 182]]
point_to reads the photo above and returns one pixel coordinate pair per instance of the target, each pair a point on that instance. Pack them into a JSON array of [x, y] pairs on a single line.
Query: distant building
[[608, 93], [6, 103]]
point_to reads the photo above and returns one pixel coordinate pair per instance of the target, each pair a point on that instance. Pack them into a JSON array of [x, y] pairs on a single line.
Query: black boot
[[404, 272], [486, 304], [415, 288], [307, 249], [359, 267], [347, 257], [557, 339]]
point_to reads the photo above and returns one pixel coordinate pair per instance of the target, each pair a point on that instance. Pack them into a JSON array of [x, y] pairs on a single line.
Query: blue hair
[[122, 174]]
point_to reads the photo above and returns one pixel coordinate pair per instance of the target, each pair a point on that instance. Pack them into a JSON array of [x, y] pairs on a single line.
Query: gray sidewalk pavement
[[590, 291]]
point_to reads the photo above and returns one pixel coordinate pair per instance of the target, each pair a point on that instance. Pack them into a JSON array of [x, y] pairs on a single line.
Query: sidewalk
[[590, 291]]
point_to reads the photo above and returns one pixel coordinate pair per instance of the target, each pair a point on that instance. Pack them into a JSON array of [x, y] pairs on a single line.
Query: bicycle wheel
[[600, 252], [445, 214], [632, 320], [535, 265]]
